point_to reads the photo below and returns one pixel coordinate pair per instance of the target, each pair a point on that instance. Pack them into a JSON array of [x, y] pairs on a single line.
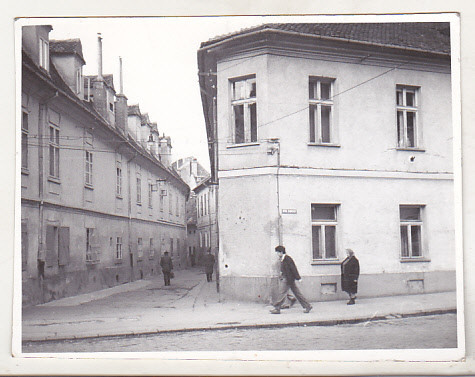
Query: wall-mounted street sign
[[289, 211]]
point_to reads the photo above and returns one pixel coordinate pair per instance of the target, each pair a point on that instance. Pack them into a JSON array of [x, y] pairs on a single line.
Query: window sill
[[92, 262], [54, 180], [411, 260], [119, 196], [88, 186], [331, 145], [118, 261], [316, 262], [243, 145], [139, 204], [410, 149], [25, 171]]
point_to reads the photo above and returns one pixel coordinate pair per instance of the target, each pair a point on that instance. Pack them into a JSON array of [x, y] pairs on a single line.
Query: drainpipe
[[43, 110], [275, 147], [129, 213], [216, 185]]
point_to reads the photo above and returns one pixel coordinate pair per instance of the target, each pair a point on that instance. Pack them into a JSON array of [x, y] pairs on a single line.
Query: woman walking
[[350, 271]]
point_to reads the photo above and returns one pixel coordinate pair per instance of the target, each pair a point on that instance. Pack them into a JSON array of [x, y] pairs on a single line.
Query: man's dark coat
[[166, 263], [289, 270], [350, 271], [208, 262]]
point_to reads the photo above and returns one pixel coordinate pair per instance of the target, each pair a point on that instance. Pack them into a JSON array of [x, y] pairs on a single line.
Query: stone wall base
[[328, 287]]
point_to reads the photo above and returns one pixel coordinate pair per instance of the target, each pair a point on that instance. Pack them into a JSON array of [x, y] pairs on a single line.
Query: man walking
[[209, 265], [167, 267], [288, 275]]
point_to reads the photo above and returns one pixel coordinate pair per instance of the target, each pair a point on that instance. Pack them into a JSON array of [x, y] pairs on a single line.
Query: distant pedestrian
[[208, 261], [350, 272], [288, 275], [167, 267]]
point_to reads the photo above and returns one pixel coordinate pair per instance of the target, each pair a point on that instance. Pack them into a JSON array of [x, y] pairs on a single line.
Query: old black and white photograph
[[239, 183]]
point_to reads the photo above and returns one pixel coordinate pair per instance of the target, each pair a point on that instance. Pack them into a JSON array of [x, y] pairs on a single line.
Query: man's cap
[[280, 249]]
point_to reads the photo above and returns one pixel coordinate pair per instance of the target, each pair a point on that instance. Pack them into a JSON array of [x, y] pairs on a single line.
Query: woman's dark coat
[[350, 271]]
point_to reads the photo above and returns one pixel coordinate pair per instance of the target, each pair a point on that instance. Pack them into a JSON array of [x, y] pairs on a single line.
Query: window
[[24, 246], [44, 54], [151, 250], [177, 205], [171, 247], [170, 204], [178, 246], [53, 150], [324, 223], [139, 247], [24, 140], [52, 243], [150, 187], [118, 189], [161, 200], [321, 110], [139, 189], [118, 248], [406, 109], [78, 80], [411, 231], [89, 250], [244, 110], [88, 168]]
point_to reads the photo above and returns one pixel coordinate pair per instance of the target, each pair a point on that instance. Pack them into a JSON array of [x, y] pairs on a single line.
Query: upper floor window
[[324, 225], [78, 80], [53, 150], [407, 122], [44, 54], [150, 190], [118, 248], [139, 247], [139, 188], [321, 110], [244, 110], [411, 230], [118, 184], [88, 175], [24, 140]]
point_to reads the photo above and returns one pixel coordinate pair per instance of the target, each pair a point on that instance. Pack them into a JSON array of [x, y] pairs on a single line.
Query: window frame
[[250, 119], [403, 141], [53, 150], [138, 181], [322, 224], [409, 224], [139, 247], [24, 140], [119, 179], [44, 54], [150, 195], [88, 173], [118, 248], [315, 107]]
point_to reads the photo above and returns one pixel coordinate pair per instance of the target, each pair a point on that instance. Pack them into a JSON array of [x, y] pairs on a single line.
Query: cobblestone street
[[437, 331]]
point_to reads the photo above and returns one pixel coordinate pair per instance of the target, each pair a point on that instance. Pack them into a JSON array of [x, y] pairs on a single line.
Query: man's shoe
[[307, 310], [275, 311], [351, 302], [292, 301], [285, 307]]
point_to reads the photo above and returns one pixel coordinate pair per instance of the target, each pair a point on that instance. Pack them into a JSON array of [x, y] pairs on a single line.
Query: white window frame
[[138, 181], [403, 140], [322, 224], [170, 203], [24, 139], [118, 182], [54, 147], [139, 247], [247, 100], [150, 195], [407, 225], [315, 105], [89, 244], [44, 53], [151, 249], [118, 248], [89, 168]]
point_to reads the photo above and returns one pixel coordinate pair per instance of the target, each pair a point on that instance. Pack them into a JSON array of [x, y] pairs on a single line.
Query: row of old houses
[[332, 136], [99, 200]]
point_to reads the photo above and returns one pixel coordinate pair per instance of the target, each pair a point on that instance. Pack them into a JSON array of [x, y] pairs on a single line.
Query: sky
[[160, 71]]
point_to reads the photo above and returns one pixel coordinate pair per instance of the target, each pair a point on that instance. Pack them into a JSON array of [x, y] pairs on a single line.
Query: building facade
[[98, 207], [327, 137]]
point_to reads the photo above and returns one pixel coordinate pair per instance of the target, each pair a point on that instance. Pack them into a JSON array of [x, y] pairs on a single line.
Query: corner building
[[327, 137]]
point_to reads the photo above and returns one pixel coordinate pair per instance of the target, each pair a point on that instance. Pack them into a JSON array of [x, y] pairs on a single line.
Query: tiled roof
[[67, 46], [424, 36], [145, 118], [108, 79], [133, 110]]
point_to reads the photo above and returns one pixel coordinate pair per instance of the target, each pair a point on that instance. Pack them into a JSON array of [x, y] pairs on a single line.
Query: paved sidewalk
[[190, 303]]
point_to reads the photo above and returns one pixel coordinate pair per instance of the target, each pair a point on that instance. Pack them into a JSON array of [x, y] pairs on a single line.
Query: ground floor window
[[118, 248], [411, 230], [324, 231]]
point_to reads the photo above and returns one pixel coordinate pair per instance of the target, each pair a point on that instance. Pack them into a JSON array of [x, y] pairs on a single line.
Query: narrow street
[[435, 331]]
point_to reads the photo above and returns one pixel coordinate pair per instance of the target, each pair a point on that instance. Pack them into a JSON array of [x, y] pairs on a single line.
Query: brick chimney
[[121, 108]]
